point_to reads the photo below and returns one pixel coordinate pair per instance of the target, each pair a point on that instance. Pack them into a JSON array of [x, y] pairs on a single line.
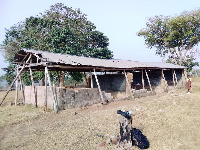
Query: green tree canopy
[[60, 29], [174, 37]]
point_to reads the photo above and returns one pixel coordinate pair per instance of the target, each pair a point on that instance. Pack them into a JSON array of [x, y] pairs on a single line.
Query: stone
[[101, 144], [114, 140]]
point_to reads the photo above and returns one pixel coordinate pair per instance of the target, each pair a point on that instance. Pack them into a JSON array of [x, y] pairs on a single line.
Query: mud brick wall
[[40, 91], [69, 98], [110, 82]]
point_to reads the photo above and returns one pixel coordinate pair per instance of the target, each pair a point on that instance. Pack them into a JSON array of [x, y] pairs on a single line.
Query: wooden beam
[[45, 92], [183, 77], [33, 86], [22, 68], [58, 76], [142, 79], [162, 73], [128, 84], [91, 80], [38, 58], [163, 76], [55, 105], [22, 89], [30, 55], [55, 96], [148, 81], [86, 78], [16, 86], [12, 85], [62, 79], [100, 92], [173, 77]]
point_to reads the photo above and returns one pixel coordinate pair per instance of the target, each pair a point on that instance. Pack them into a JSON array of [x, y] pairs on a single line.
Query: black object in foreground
[[141, 140], [125, 114]]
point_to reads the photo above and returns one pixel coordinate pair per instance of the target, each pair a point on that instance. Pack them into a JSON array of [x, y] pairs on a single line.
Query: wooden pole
[[183, 77], [100, 92], [58, 75], [163, 76], [12, 84], [55, 96], [173, 77], [33, 86], [142, 79], [86, 78], [91, 80], [148, 81], [128, 84], [55, 105], [22, 89], [22, 68], [16, 85], [45, 92]]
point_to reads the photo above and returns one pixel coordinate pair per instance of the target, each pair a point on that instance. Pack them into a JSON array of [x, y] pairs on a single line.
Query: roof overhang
[[38, 60]]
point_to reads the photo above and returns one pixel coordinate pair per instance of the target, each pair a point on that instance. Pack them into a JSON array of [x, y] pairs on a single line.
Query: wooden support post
[[142, 79], [173, 77], [162, 73], [176, 80], [33, 86], [22, 89], [45, 92], [128, 84], [12, 84], [163, 76], [55, 105], [16, 85], [148, 81], [183, 77], [100, 92], [91, 80], [22, 68], [86, 79], [62, 79], [58, 75], [55, 96]]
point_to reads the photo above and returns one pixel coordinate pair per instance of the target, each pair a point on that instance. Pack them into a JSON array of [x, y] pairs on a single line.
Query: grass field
[[171, 121]]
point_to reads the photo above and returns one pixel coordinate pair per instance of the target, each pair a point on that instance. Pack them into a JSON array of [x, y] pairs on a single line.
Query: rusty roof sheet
[[95, 62]]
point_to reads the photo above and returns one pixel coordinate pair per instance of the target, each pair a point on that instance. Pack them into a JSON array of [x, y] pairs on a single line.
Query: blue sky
[[119, 20]]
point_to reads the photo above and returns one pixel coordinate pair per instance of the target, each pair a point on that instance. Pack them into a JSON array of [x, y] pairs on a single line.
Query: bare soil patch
[[170, 121]]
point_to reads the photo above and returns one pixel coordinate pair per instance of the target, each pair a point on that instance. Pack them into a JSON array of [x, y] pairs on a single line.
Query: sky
[[119, 20]]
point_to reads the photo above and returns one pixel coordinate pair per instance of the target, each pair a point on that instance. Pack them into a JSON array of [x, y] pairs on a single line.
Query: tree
[[10, 74], [59, 30], [174, 37]]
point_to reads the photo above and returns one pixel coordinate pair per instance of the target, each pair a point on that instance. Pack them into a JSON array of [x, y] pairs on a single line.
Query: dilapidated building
[[108, 79]]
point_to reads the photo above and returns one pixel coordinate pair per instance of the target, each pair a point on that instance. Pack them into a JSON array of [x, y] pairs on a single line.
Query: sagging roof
[[66, 62]]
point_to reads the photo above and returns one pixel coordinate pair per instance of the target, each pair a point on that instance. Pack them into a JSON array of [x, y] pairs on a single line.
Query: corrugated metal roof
[[164, 65], [105, 63]]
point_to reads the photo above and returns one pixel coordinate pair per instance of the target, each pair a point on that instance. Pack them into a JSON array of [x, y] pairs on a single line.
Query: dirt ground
[[170, 121]]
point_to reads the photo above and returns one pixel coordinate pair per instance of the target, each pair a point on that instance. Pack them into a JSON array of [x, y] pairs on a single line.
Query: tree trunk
[[43, 81], [62, 79], [125, 132]]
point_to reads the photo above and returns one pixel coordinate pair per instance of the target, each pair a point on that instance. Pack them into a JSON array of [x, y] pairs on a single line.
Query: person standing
[[188, 84]]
